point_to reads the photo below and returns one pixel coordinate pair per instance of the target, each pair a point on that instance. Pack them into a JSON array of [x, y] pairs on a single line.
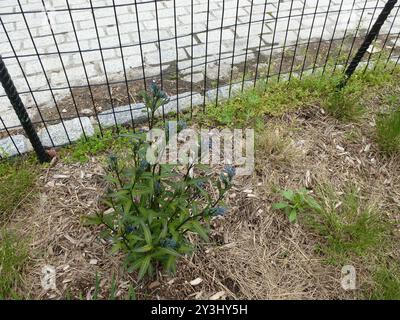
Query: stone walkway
[[236, 21]]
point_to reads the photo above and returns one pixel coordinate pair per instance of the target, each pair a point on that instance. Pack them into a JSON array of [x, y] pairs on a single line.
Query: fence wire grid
[[80, 64]]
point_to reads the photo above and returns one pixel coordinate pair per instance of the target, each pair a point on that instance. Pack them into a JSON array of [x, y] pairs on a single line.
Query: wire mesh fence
[[79, 65]]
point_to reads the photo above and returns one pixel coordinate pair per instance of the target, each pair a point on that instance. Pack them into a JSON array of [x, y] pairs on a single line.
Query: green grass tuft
[[83, 149], [276, 98], [350, 226], [344, 105], [386, 285], [13, 257], [388, 131], [17, 180]]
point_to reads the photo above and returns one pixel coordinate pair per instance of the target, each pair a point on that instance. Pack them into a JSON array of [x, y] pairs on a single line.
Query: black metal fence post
[[20, 110], [372, 34]]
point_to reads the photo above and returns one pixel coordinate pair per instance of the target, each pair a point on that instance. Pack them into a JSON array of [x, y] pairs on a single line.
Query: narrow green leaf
[[170, 265], [170, 252], [147, 233], [92, 220], [292, 216], [145, 248], [144, 267], [199, 229], [133, 265]]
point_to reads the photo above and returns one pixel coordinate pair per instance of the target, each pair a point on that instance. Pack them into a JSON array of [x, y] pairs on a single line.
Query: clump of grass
[[13, 257], [344, 105], [272, 98], [281, 97], [17, 180], [83, 149], [350, 226], [386, 284], [243, 110], [275, 146], [388, 131], [276, 98]]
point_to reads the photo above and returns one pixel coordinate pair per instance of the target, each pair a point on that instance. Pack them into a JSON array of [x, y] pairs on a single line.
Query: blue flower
[[230, 171], [113, 162], [199, 184], [154, 87], [130, 229], [169, 243], [218, 211], [144, 165], [156, 91]]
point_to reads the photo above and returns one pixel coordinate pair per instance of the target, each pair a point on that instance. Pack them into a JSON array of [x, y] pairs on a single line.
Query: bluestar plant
[[154, 206]]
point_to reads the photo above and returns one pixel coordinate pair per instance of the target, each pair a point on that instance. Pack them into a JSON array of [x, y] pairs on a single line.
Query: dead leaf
[[196, 281], [61, 176], [217, 296], [154, 284], [93, 261]]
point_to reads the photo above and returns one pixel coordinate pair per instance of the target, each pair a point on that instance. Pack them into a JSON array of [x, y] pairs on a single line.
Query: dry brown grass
[[52, 223], [265, 257]]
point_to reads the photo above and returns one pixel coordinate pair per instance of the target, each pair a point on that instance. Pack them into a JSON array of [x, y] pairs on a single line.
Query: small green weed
[[296, 202], [243, 110], [348, 225]]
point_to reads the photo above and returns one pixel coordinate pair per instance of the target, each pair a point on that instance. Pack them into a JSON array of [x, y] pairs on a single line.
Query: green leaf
[[145, 248], [133, 237], [184, 249], [144, 267], [199, 229], [149, 214], [142, 190], [146, 232], [116, 247], [288, 194], [127, 206], [133, 265], [121, 194], [170, 265], [280, 205], [92, 220], [292, 216], [170, 252], [108, 220], [112, 180], [164, 230], [313, 204]]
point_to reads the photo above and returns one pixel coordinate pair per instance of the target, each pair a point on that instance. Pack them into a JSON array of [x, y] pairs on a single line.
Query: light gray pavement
[[34, 25]]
